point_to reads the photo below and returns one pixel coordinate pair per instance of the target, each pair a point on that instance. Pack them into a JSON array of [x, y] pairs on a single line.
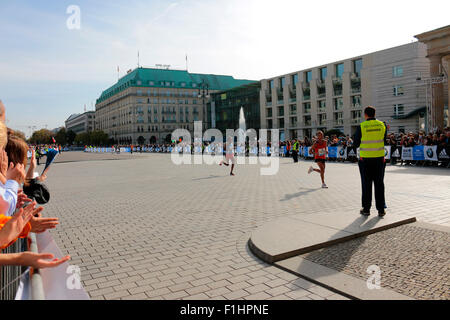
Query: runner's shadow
[[291, 196], [207, 178]]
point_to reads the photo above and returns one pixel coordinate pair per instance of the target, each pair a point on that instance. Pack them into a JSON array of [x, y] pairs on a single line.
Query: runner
[[229, 156], [320, 151]]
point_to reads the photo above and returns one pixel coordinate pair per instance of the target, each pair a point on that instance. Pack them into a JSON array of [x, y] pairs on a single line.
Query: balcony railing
[[269, 103], [293, 100], [356, 121], [280, 102], [338, 122], [321, 95], [337, 92], [337, 80], [320, 83], [356, 106], [356, 89]]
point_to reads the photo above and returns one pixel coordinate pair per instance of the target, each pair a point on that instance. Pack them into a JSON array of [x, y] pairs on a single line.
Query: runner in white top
[[229, 157]]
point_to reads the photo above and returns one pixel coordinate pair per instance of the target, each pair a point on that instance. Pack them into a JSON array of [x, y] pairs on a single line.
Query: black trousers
[[372, 172], [295, 155]]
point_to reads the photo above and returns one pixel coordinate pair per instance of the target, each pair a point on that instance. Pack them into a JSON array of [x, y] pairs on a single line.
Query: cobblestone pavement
[[143, 228], [413, 261]]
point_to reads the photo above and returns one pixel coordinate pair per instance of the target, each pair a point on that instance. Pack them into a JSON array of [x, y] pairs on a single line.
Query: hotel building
[[148, 104]]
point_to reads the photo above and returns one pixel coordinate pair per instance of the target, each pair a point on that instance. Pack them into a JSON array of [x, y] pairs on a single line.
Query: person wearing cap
[[370, 138]]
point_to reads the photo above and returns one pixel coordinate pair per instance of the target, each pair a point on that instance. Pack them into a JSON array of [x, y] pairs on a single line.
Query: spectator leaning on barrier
[[24, 220], [10, 176]]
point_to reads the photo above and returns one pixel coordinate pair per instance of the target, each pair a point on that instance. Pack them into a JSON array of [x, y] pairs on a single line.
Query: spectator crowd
[[19, 211], [285, 148]]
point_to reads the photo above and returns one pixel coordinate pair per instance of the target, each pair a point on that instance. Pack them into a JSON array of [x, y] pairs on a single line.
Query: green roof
[[181, 79]]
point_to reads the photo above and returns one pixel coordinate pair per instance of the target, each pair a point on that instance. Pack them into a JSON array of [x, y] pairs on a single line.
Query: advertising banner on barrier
[[387, 152], [407, 153], [430, 153], [342, 153], [351, 153], [418, 153], [443, 155], [332, 152], [306, 152], [396, 153]]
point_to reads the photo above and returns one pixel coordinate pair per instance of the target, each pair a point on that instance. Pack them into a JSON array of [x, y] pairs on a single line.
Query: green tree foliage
[[95, 138], [61, 137], [70, 137], [42, 136]]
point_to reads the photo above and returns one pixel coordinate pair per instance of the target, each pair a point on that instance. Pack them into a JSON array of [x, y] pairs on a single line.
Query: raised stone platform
[[298, 234]]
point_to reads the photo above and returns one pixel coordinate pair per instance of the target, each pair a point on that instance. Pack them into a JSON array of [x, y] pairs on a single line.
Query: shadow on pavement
[[291, 196], [210, 177], [341, 257]]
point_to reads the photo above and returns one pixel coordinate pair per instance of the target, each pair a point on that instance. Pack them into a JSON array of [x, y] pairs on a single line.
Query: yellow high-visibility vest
[[372, 139], [295, 147]]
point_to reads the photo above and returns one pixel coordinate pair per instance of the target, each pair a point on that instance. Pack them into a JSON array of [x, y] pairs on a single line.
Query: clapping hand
[[40, 224], [3, 162], [16, 173], [14, 227], [38, 260], [22, 198]]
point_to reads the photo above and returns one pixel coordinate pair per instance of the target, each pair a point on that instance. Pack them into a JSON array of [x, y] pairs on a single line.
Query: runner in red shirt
[[320, 151]]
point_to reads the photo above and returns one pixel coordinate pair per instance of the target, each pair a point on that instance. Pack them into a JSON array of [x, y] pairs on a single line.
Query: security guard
[[370, 138], [295, 149]]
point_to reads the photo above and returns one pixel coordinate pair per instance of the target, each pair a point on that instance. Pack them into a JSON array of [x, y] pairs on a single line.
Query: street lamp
[[203, 93]]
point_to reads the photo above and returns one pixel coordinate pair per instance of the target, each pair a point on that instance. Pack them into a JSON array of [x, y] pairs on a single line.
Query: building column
[[446, 62], [437, 112]]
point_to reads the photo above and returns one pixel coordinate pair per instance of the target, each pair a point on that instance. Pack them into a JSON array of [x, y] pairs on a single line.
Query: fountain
[[242, 120], [241, 134]]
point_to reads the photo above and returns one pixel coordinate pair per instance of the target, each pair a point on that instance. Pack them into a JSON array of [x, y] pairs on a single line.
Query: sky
[[50, 70]]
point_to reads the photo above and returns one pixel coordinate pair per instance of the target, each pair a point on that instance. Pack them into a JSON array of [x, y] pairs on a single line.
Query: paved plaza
[[142, 228]]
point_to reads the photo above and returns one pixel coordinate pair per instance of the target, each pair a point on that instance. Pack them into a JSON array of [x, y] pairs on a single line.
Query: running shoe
[[324, 186], [311, 169], [381, 213], [364, 213], [231, 174]]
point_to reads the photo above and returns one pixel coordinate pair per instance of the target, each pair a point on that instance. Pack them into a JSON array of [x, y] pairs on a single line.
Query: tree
[[42, 136], [82, 139], [70, 136], [94, 138], [61, 136], [99, 138]]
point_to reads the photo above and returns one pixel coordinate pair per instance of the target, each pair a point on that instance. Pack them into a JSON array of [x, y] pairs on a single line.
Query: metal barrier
[[37, 287], [10, 275]]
